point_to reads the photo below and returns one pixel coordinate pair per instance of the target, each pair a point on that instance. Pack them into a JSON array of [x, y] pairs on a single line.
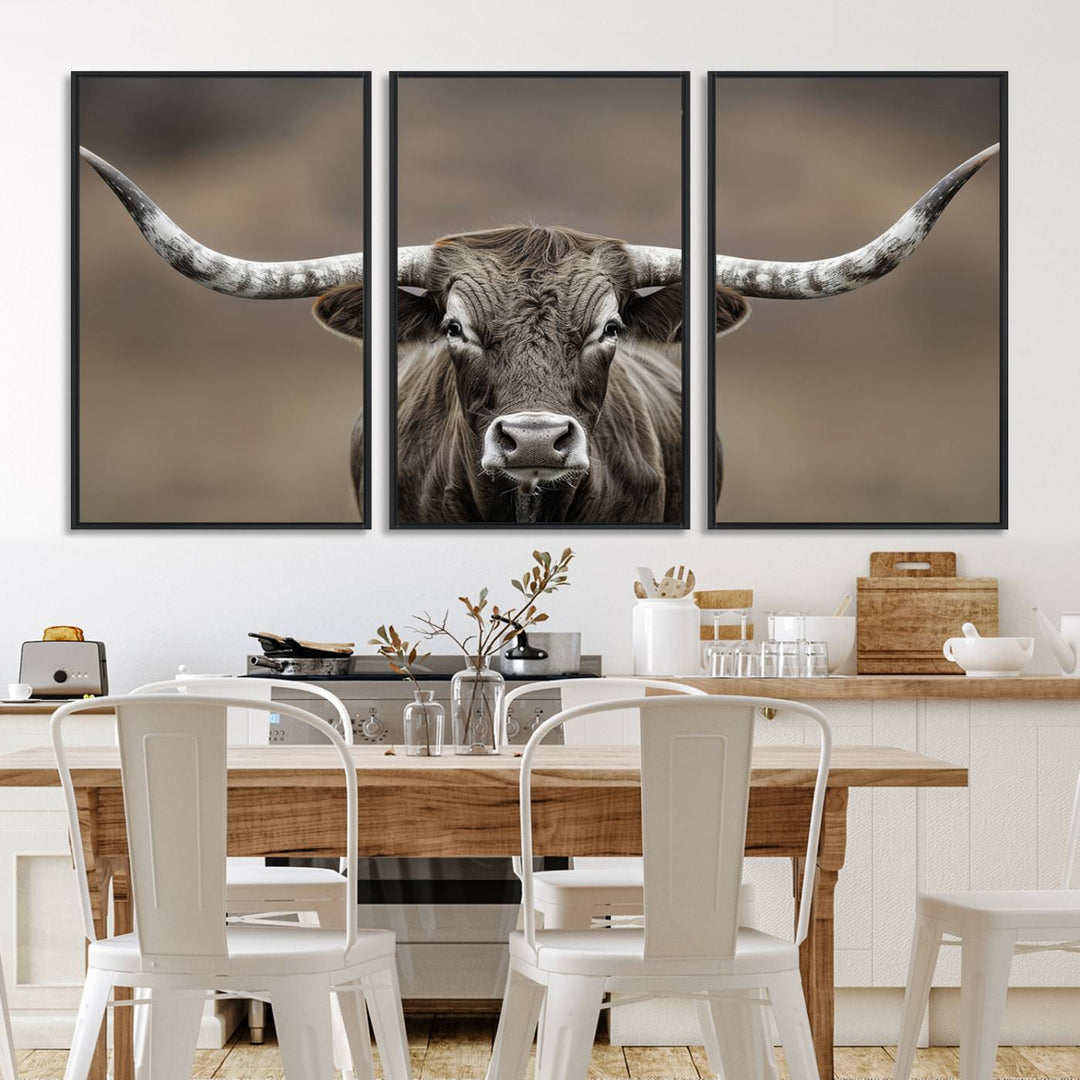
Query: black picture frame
[[395, 77], [1001, 523], [75, 518]]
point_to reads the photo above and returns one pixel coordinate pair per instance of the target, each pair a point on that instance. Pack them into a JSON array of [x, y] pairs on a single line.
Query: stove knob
[[513, 728], [372, 727]]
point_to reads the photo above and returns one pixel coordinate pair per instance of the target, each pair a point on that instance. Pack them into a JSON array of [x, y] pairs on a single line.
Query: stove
[[452, 917]]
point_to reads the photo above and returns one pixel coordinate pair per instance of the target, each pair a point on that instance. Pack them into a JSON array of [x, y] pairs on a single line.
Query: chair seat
[[1028, 910], [328, 882], [622, 952], [622, 885], [256, 950]]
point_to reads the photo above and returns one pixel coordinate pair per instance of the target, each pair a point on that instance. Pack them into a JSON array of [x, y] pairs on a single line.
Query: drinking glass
[[718, 659], [789, 660], [817, 659], [770, 659]]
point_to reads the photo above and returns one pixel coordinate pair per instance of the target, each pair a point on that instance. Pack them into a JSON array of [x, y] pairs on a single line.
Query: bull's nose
[[538, 441]]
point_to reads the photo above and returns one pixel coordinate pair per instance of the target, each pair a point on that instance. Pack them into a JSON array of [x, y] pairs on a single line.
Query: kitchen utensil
[[841, 608], [990, 657], [674, 586], [667, 637], [64, 669], [837, 631], [542, 654], [647, 582], [1064, 642], [304, 665], [970, 630], [912, 602]]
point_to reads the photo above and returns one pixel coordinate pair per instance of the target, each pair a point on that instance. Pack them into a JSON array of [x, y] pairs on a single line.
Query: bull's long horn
[[413, 264], [830, 277], [654, 266], [224, 273]]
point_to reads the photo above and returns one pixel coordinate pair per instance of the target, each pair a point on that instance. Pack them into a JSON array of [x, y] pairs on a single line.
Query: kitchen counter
[[897, 687]]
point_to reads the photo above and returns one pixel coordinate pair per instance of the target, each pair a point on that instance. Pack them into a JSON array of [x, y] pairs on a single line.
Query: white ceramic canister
[[667, 637]]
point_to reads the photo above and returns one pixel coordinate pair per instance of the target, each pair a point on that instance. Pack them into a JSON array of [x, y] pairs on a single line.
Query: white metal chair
[[9, 1068], [990, 927], [612, 888], [173, 757], [268, 891], [695, 773]]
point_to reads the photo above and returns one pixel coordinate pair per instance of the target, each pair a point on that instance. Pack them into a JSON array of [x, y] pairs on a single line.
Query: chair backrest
[[173, 762], [695, 777], [213, 684], [612, 725]]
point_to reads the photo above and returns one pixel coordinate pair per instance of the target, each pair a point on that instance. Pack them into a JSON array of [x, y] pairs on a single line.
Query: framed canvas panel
[[539, 374], [868, 389], [213, 213]]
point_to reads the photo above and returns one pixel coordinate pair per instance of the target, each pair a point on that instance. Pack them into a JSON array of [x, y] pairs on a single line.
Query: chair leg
[[571, 1010], [789, 1008], [95, 998], [167, 1033], [985, 962], [9, 1069], [925, 947], [352, 1042], [256, 1011], [736, 1039], [301, 1005], [517, 1025], [383, 995]]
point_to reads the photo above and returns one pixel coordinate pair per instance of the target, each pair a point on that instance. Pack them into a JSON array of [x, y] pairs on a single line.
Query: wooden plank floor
[[457, 1048]]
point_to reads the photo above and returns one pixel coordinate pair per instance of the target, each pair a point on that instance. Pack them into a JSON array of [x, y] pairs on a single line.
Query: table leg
[[98, 876], [816, 953], [123, 1018]]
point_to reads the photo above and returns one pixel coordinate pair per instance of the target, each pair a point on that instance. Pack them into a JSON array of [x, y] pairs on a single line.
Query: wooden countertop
[[834, 688], [885, 687], [557, 766]]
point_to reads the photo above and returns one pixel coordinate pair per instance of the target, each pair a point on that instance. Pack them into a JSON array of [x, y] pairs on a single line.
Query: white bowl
[[837, 631], [990, 657]]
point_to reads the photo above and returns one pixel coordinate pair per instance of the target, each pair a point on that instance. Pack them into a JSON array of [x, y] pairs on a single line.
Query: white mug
[[19, 691]]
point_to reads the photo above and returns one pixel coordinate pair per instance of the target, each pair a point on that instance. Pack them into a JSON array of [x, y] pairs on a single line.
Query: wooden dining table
[[290, 801]]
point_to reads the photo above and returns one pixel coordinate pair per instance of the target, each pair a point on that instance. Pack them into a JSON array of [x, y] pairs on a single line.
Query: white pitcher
[[1065, 642]]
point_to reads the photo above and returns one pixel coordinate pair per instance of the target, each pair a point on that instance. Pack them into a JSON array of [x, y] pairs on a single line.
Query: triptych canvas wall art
[[540, 286]]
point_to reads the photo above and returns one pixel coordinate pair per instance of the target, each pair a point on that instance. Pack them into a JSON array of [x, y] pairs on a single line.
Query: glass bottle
[[424, 719], [476, 702]]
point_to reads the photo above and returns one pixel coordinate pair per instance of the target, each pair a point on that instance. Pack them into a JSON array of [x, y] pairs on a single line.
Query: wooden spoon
[[674, 585]]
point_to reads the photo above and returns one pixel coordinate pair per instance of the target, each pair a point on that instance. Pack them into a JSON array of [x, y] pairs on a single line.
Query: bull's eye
[[611, 329], [453, 330]]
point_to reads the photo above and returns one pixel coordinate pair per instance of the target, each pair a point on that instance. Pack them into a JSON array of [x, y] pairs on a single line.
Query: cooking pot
[[304, 665], [542, 654]]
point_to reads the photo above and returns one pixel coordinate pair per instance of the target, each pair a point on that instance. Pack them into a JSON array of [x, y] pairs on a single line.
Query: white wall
[[161, 598]]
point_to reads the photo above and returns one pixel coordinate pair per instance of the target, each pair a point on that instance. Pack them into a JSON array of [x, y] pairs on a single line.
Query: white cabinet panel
[[894, 859]]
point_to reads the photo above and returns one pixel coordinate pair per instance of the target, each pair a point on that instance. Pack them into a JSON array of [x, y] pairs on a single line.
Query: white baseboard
[[51, 1029], [871, 1017]]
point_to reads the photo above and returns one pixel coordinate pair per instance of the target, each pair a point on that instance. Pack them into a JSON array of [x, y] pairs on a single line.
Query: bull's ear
[[341, 311], [732, 310], [656, 313], [418, 314]]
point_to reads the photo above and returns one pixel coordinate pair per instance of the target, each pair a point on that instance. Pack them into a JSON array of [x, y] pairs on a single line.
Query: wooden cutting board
[[910, 604]]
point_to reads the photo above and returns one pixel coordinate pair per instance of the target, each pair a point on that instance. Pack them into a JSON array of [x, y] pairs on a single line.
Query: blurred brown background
[[603, 155], [883, 404], [195, 406]]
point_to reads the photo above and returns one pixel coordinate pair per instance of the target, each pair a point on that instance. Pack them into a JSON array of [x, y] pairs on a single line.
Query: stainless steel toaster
[[64, 669]]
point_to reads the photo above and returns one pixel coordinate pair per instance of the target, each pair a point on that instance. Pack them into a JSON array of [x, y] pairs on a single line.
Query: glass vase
[[476, 697], [424, 719]]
